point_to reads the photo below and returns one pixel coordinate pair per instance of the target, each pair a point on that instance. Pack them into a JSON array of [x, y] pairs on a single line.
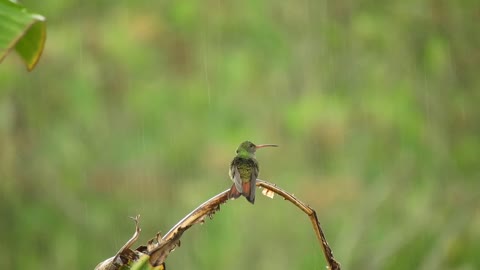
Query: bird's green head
[[248, 149]]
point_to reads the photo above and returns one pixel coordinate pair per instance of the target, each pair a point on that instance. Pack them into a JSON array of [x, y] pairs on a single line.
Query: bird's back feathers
[[244, 173]]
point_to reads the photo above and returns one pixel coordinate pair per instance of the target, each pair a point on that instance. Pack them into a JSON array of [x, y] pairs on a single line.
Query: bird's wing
[[253, 183], [235, 175]]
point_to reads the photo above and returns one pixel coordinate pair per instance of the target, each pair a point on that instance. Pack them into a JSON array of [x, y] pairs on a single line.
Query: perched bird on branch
[[244, 171]]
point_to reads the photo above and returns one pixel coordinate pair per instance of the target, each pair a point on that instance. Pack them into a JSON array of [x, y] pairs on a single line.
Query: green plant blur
[[137, 107]]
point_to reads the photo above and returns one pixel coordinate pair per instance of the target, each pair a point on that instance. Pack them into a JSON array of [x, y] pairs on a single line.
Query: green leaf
[[24, 31], [143, 263]]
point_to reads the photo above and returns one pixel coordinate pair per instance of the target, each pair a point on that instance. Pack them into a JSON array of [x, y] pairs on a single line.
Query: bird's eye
[[236, 151], [252, 145]]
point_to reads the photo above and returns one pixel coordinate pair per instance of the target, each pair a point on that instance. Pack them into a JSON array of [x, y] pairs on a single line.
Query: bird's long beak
[[266, 145]]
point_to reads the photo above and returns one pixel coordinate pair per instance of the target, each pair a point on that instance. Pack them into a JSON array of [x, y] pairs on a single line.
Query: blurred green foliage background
[[137, 107]]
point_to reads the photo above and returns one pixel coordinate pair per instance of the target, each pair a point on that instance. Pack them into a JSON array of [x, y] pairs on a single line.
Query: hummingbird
[[244, 171]]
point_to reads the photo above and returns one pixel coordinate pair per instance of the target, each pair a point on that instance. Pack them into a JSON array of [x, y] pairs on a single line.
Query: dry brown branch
[[159, 247], [327, 251], [124, 254], [172, 238]]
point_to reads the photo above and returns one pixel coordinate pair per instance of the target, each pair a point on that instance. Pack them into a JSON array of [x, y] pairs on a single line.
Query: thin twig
[[327, 251], [115, 262]]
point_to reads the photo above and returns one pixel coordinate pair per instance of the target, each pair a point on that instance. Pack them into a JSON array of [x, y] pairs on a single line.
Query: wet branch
[[171, 239], [125, 254], [159, 247], [327, 251]]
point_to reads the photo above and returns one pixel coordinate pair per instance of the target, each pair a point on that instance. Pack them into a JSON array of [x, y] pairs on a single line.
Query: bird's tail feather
[[249, 192], [234, 193]]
